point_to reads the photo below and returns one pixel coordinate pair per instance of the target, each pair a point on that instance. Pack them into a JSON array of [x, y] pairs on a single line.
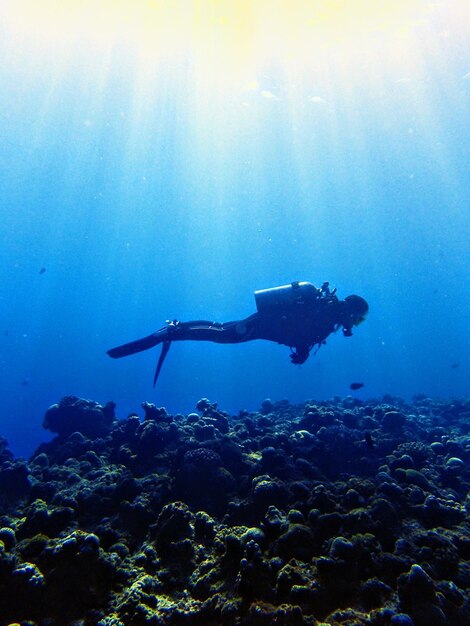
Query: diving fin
[[165, 347]]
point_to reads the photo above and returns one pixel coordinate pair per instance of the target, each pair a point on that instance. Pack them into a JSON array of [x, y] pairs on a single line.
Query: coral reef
[[340, 513]]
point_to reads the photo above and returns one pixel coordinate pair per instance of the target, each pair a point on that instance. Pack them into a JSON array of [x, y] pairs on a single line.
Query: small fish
[[42, 270], [6, 333], [25, 382], [356, 386], [368, 439], [455, 365]]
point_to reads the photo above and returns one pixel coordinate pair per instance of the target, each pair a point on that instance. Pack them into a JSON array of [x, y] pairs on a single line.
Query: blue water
[[148, 194]]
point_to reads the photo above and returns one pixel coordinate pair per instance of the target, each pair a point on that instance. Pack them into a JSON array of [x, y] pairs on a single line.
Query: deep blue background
[[146, 197]]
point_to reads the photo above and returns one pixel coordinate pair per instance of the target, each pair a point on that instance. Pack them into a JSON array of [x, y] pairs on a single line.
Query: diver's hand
[[299, 356]]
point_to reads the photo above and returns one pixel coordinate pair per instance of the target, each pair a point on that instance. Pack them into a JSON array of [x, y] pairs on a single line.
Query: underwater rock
[[202, 482], [393, 421], [256, 577], [401, 619], [418, 597], [267, 406], [374, 593], [174, 524], [153, 413], [278, 516], [275, 522], [437, 511], [267, 491], [5, 453], [14, 479], [341, 548], [202, 458], [74, 414], [297, 542], [45, 520], [8, 538]]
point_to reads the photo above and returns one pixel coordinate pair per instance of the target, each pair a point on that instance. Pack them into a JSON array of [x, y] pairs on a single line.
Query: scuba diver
[[298, 315]]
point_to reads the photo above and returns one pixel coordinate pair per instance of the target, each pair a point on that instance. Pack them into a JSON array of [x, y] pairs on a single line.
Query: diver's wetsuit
[[301, 317]]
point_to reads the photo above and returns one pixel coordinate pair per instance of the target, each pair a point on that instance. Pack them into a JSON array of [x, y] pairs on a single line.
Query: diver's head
[[355, 312]]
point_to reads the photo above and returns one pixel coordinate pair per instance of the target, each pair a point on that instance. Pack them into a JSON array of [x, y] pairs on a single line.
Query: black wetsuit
[[301, 324]]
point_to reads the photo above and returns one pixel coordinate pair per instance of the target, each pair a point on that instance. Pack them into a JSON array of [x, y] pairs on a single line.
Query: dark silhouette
[[298, 315], [356, 386]]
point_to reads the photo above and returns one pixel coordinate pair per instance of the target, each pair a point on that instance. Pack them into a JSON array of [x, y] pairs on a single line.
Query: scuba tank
[[286, 298]]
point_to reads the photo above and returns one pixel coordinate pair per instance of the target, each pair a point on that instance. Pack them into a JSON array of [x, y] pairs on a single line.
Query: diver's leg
[[163, 334], [228, 332], [174, 331], [199, 330]]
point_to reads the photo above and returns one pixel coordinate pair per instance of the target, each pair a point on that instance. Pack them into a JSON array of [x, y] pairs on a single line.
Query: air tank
[[287, 297]]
